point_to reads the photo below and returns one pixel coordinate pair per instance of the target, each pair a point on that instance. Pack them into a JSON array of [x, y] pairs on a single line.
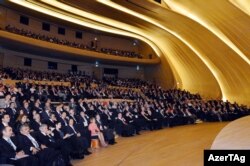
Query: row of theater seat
[[65, 120]]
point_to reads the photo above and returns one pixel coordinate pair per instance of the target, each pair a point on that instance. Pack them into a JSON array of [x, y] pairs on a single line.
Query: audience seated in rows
[[41, 122], [55, 40]]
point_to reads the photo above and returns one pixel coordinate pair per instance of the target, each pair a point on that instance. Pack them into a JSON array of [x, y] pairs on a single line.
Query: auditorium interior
[[123, 82]]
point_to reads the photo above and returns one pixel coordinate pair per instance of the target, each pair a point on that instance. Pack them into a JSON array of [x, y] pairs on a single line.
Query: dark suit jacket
[[34, 125], [81, 121], [25, 143], [57, 135], [49, 123], [6, 150], [63, 122], [44, 139], [75, 117], [1, 126], [26, 111], [44, 115], [11, 112], [58, 115], [38, 109], [69, 130]]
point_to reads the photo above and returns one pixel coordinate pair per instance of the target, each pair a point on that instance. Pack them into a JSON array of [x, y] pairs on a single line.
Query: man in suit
[[32, 147], [108, 133], [36, 122], [58, 112], [27, 110], [65, 140], [45, 115], [5, 121], [80, 142], [10, 152], [12, 112], [72, 115], [80, 107], [45, 137], [82, 126], [51, 121], [83, 122]]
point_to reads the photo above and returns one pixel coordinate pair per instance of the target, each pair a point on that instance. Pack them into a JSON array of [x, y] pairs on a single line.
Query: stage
[[177, 146]]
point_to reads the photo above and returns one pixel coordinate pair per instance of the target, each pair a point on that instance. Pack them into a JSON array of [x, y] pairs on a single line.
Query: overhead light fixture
[[137, 67], [96, 64]]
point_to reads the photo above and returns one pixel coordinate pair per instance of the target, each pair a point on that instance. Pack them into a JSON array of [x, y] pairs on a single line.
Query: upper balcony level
[[29, 33]]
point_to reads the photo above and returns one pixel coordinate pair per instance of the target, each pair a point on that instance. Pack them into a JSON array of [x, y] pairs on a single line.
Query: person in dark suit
[[36, 122], [64, 120], [80, 107], [191, 117], [139, 120], [157, 118], [79, 141], [123, 128], [82, 125], [45, 115], [171, 117], [107, 132], [11, 153], [146, 114], [5, 121], [130, 119], [31, 146], [26, 109], [37, 107], [66, 140], [46, 137], [12, 112], [72, 115], [51, 121], [58, 111], [108, 117]]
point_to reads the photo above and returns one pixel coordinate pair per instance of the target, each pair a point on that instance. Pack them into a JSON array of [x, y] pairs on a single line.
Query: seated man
[[107, 132], [65, 140], [46, 156], [10, 153], [5, 121], [79, 141], [45, 137]]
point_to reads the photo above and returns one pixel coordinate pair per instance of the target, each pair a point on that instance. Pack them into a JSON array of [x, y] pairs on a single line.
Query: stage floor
[[178, 146]]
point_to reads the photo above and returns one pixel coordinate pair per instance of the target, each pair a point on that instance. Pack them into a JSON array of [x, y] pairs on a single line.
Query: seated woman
[[95, 132], [21, 119]]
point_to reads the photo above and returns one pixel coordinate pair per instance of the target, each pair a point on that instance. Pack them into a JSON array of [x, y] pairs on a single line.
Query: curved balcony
[[45, 48]]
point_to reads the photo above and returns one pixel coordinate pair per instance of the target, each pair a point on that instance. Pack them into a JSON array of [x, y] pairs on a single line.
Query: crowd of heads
[[122, 107], [130, 54], [91, 46]]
